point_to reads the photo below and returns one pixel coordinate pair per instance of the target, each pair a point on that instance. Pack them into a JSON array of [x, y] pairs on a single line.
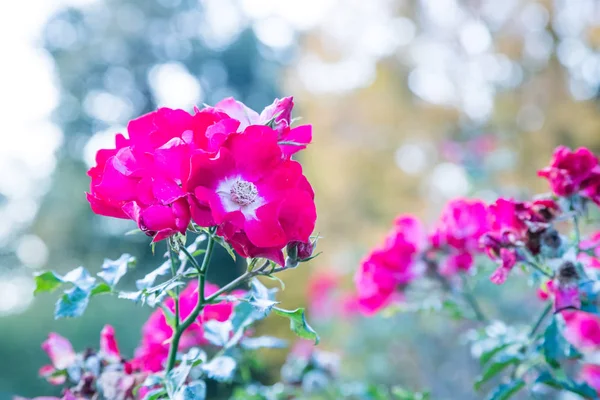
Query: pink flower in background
[[582, 329], [260, 201], [59, 350], [109, 349], [390, 266], [281, 114], [515, 224], [458, 232], [461, 224], [571, 171], [590, 374], [156, 332]]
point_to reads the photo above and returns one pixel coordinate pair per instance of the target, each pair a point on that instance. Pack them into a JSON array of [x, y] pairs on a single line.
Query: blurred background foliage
[[413, 102]]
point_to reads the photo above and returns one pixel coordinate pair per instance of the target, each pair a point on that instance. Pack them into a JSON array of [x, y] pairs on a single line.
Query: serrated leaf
[[136, 297], [217, 332], [47, 281], [298, 323], [262, 306], [81, 278], [175, 378], [497, 365], [72, 304], [507, 390], [148, 280], [220, 369], [114, 270], [100, 288], [263, 342], [226, 246]]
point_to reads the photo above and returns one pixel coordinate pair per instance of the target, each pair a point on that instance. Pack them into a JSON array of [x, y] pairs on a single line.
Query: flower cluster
[[91, 372], [508, 231], [225, 166], [151, 354]]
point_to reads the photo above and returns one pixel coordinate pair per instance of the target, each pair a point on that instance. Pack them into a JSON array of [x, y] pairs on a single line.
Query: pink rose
[[280, 112], [582, 329], [259, 200], [109, 349], [571, 171]]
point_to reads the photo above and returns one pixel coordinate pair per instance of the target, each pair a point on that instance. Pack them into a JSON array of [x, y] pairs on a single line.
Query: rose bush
[[226, 175]]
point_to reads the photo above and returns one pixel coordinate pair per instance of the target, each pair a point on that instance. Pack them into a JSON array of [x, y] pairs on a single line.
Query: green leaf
[[403, 394], [226, 246], [155, 394], [81, 278], [507, 390], [581, 389], [217, 332], [498, 365], [220, 369], [148, 280], [114, 270], [47, 281], [169, 315], [298, 323], [72, 304], [488, 355], [100, 288]]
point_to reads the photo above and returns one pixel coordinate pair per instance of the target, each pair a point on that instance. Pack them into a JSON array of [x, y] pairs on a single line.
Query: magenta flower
[[259, 200], [390, 266], [109, 349], [515, 225], [582, 329], [458, 233], [60, 350], [156, 332], [280, 113], [571, 171]]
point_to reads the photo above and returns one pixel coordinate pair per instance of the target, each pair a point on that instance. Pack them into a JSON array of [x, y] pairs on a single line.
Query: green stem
[[472, 301], [577, 233], [199, 306], [173, 273], [239, 280], [540, 320]]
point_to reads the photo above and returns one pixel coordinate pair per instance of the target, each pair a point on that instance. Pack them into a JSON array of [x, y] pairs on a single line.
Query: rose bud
[[567, 289]]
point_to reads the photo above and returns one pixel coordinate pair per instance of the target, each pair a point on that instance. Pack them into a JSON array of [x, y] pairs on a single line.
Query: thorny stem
[[540, 320], [178, 331], [173, 273], [471, 300], [202, 300]]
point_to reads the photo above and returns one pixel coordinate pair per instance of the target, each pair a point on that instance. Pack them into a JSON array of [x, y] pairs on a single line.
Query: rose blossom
[[571, 171], [390, 266], [582, 329], [259, 200], [156, 332], [515, 225], [458, 232], [280, 112]]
